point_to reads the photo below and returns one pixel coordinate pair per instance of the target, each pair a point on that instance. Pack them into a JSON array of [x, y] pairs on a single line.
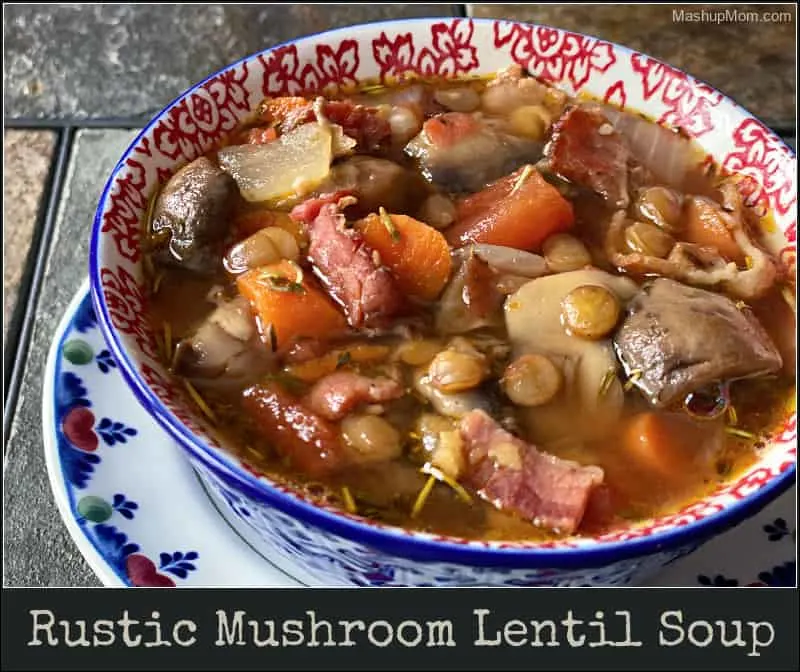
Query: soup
[[474, 307]]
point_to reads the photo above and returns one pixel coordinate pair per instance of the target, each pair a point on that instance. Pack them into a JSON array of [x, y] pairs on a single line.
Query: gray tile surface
[[130, 60], [38, 550]]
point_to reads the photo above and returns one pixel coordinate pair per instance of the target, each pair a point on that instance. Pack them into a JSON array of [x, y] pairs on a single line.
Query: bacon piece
[[587, 150], [350, 270], [335, 395], [516, 477], [308, 210]]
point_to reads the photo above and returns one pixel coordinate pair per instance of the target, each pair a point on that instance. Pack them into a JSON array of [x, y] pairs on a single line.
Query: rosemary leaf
[[635, 375], [349, 502], [527, 171], [200, 401], [419, 504], [168, 340], [343, 359], [740, 433], [386, 220], [444, 478], [608, 381]]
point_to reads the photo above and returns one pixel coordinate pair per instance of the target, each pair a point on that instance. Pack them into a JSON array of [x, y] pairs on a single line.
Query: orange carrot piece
[[703, 225], [663, 444], [520, 210], [308, 441], [294, 309], [282, 111], [416, 254]]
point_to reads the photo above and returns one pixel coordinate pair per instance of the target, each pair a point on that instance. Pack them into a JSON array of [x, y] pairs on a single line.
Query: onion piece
[[511, 260], [669, 156], [294, 163], [343, 144]]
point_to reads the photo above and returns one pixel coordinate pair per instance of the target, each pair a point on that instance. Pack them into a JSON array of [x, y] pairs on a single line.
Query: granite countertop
[[27, 164], [752, 61], [79, 79]]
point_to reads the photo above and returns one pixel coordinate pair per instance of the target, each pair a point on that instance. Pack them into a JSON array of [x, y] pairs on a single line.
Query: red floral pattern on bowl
[[207, 113]]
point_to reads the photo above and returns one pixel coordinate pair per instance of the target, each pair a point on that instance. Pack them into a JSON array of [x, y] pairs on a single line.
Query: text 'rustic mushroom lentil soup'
[[476, 307]]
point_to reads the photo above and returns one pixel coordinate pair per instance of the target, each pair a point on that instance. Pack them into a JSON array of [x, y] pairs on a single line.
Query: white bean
[[449, 454], [438, 211], [371, 438], [418, 352], [531, 121], [266, 246], [461, 99], [453, 371], [405, 124], [565, 253], [648, 239], [284, 242], [661, 206], [532, 380]]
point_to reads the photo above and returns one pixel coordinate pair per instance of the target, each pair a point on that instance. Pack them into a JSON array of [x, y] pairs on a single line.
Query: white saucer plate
[[140, 516]]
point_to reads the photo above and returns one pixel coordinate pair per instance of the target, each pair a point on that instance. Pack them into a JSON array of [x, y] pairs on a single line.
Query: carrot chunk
[[416, 254], [291, 303], [308, 441], [666, 445], [520, 210]]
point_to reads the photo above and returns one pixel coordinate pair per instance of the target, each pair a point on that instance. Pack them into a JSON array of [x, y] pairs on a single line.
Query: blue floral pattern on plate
[[126, 490], [82, 441]]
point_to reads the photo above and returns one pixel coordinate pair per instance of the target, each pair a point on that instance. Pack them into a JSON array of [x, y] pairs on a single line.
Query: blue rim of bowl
[[390, 539]]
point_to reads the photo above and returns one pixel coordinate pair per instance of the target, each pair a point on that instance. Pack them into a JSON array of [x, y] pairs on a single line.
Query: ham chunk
[[586, 150], [516, 477], [351, 271], [308, 441], [309, 210], [334, 396]]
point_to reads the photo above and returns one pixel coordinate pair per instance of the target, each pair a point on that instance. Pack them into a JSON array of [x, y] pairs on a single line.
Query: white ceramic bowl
[[341, 549]]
